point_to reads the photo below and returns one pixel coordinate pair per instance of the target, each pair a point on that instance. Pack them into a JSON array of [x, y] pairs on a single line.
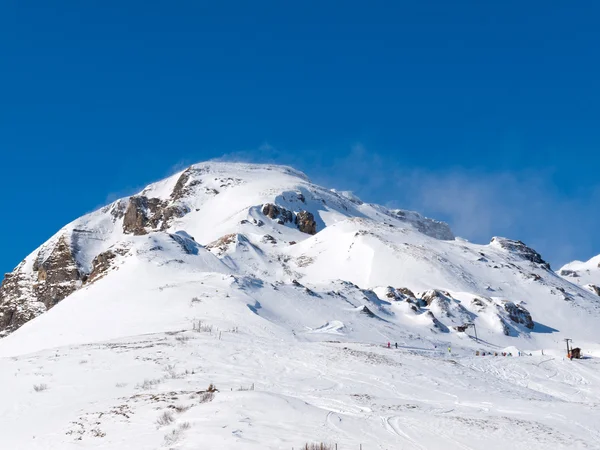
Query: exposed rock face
[[24, 296], [446, 307], [521, 250], [135, 219], [436, 295], [230, 241], [518, 314], [222, 244], [278, 213], [101, 265], [104, 262], [306, 222], [402, 295], [144, 213], [268, 239], [569, 273], [58, 276], [17, 303], [391, 293], [407, 292]]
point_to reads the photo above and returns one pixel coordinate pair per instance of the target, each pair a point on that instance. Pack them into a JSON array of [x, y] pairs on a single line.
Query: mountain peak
[[270, 224]]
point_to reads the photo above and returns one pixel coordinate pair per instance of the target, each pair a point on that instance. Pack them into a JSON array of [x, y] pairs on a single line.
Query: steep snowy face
[[280, 235], [585, 274]]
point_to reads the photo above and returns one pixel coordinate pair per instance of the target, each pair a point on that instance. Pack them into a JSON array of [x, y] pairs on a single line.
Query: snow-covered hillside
[[240, 275], [586, 274]]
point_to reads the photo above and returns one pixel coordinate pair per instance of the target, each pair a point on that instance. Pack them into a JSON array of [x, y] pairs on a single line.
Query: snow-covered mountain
[[270, 224], [263, 255], [586, 274]]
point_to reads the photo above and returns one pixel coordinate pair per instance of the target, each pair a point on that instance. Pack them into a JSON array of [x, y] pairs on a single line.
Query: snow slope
[[586, 274], [250, 275]]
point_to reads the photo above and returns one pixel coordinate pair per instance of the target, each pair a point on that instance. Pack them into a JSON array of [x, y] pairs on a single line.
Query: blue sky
[[484, 114]]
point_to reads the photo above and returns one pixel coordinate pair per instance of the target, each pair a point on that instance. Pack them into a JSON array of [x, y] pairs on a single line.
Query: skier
[[389, 345], [449, 351], [396, 345]]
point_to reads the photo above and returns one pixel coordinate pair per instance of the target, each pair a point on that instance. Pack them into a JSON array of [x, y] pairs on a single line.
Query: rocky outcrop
[[268, 239], [104, 262], [402, 295], [281, 215], [518, 314], [231, 241], [407, 292], [306, 222], [27, 293], [435, 295], [17, 302], [100, 265], [58, 275], [568, 273], [135, 218], [520, 250], [145, 214], [446, 307]]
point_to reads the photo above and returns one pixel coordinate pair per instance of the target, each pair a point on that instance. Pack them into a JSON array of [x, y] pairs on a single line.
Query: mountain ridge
[[271, 222]]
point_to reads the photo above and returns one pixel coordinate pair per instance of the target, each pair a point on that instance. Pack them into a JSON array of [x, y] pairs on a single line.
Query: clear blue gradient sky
[[484, 114]]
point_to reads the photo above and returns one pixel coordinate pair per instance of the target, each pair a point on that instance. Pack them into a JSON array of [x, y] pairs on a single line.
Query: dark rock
[[117, 209], [144, 214], [222, 244], [278, 213], [17, 302], [479, 303], [406, 292], [270, 210], [306, 222], [135, 218], [179, 191], [24, 295], [518, 314], [521, 250], [58, 276], [431, 296], [595, 289], [568, 273], [102, 264], [268, 239]]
